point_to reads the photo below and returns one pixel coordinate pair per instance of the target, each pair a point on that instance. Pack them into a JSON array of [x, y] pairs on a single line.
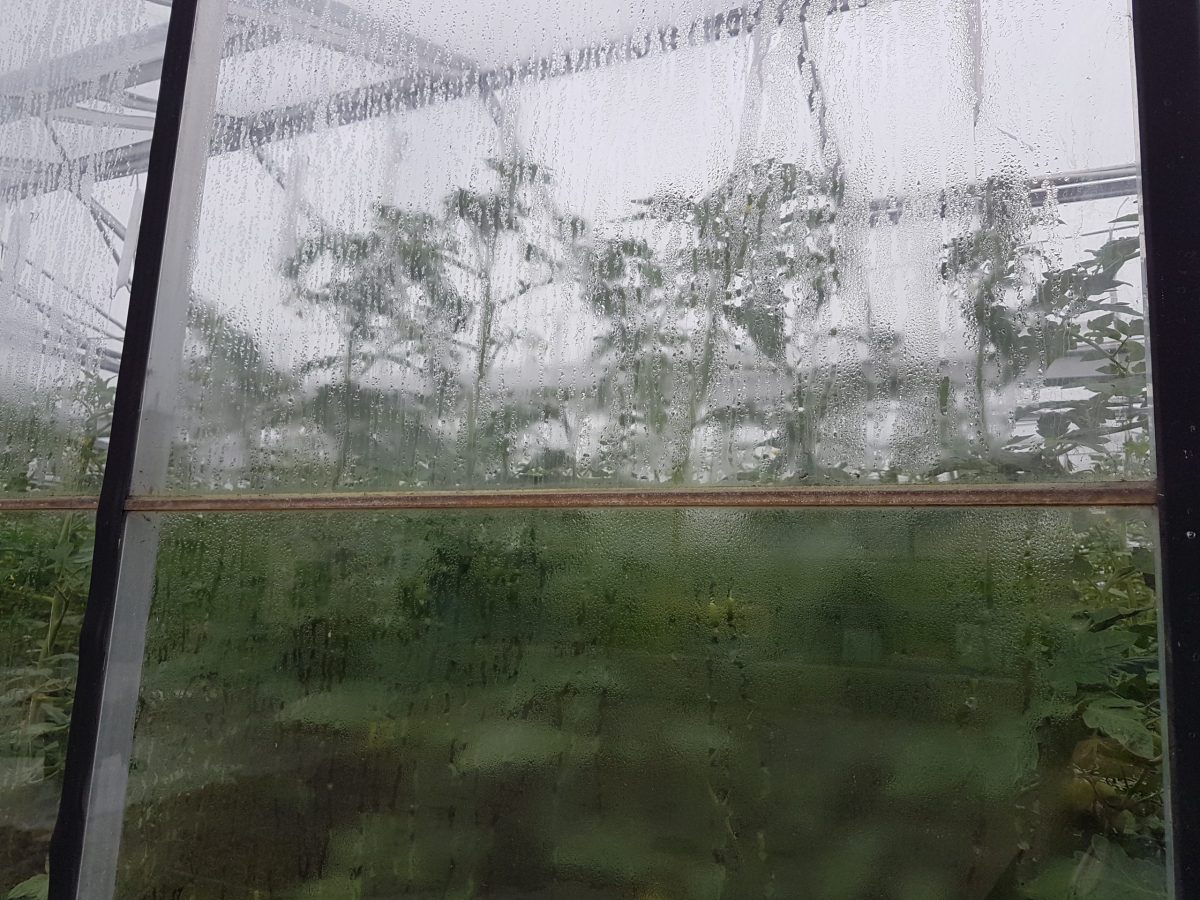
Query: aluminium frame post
[[83, 849], [1166, 35]]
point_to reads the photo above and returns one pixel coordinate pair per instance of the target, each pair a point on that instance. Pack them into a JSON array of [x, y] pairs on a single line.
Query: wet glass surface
[[674, 704]]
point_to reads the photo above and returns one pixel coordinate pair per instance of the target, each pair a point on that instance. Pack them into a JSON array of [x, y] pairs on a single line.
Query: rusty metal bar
[[48, 502], [1138, 493]]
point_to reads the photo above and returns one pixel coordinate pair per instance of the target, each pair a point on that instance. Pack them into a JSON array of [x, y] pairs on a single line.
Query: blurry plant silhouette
[[756, 257], [533, 680], [502, 707], [1027, 313], [427, 294], [45, 562], [703, 308]]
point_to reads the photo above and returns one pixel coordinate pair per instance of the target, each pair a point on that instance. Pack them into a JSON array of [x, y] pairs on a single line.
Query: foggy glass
[[499, 245], [45, 562], [78, 90], [528, 244], [668, 703]]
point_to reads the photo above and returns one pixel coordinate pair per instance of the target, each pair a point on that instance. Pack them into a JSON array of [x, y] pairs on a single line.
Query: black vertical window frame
[[66, 845], [1167, 53]]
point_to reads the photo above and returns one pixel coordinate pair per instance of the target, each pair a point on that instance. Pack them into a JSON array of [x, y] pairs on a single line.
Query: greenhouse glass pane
[[45, 562], [506, 243], [78, 89], [664, 703]]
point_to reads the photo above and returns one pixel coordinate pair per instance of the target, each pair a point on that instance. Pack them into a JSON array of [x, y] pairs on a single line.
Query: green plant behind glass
[[498, 704], [44, 566], [1028, 313]]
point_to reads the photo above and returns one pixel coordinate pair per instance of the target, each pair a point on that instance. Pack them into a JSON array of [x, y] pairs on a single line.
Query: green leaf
[[1122, 720], [1107, 872], [1053, 425], [1054, 882], [35, 888], [1143, 559], [1104, 872], [37, 729], [1067, 674]]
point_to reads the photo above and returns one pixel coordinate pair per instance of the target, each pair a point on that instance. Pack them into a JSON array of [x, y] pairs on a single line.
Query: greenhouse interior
[[609, 450]]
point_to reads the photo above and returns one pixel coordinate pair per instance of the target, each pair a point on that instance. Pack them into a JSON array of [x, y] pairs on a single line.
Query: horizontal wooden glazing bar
[[1140, 493], [1127, 493], [48, 502]]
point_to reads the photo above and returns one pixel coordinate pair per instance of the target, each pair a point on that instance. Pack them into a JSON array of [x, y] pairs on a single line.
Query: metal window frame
[[1166, 36], [67, 842]]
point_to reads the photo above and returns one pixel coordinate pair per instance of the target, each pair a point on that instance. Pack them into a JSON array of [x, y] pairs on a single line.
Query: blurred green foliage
[[44, 567], [655, 705], [650, 704]]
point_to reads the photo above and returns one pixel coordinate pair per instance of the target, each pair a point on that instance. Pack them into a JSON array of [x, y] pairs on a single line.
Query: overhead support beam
[[112, 69], [131, 100], [99, 118], [338, 27], [111, 72], [94, 73], [425, 88], [101, 71], [410, 92], [23, 178], [75, 295], [439, 80], [445, 76], [1094, 184], [1065, 187], [101, 214]]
